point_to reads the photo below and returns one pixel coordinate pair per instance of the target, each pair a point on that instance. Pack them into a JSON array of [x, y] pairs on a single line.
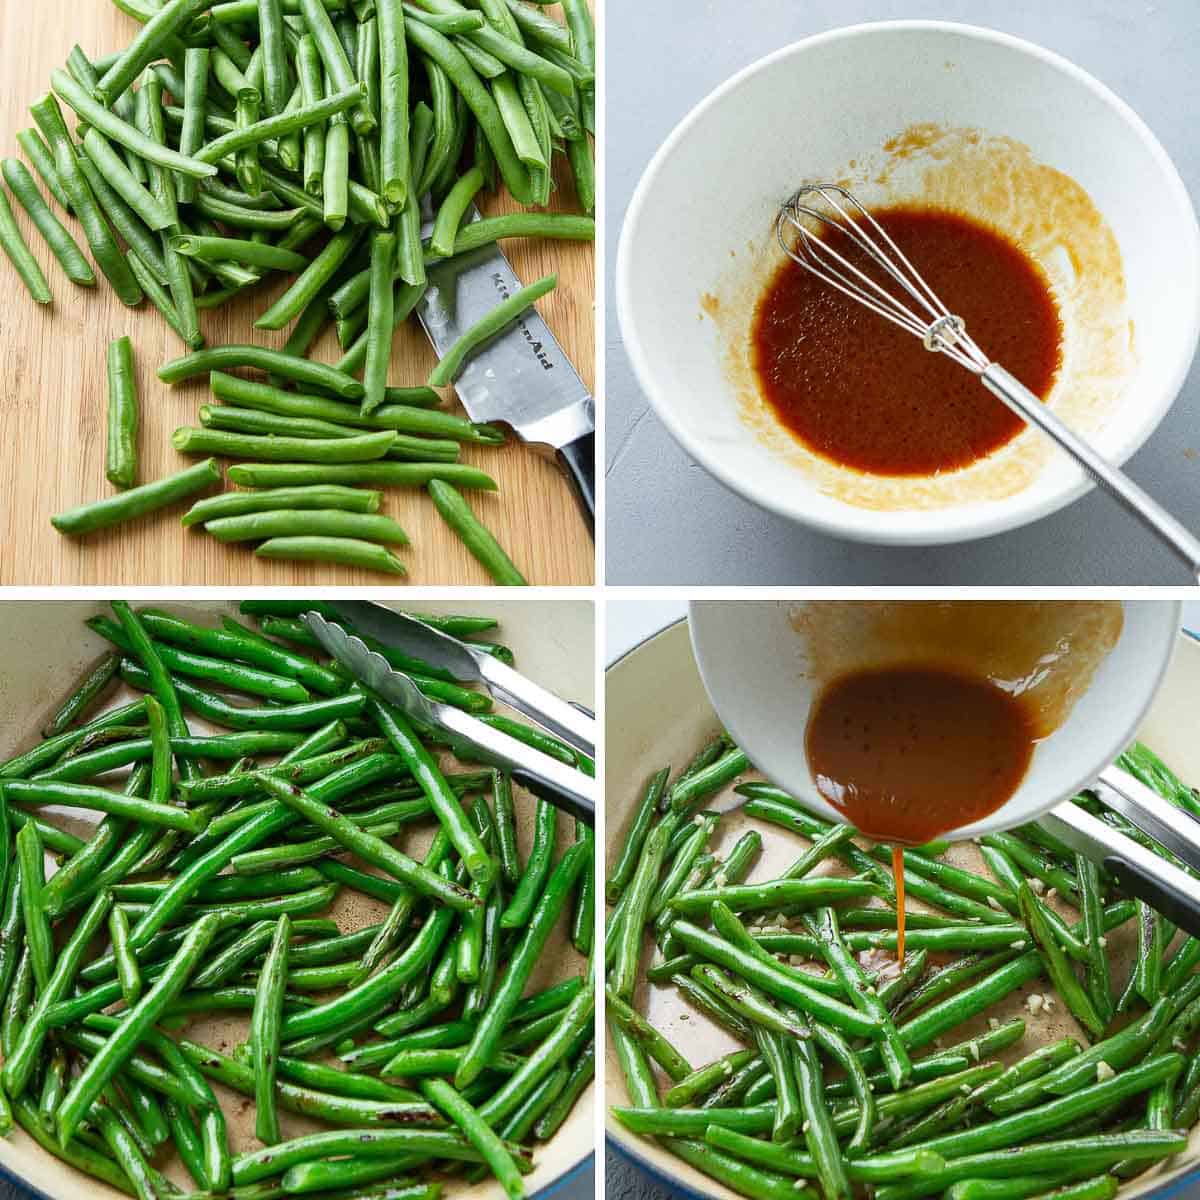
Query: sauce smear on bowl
[[865, 393]]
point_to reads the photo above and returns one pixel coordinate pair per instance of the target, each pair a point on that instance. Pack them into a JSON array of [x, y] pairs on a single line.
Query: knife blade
[[522, 377], [470, 664]]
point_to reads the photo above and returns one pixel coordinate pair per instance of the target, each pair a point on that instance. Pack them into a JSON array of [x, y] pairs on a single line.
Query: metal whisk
[[905, 299]]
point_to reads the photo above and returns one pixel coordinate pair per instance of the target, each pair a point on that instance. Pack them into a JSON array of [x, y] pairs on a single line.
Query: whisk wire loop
[[939, 329]]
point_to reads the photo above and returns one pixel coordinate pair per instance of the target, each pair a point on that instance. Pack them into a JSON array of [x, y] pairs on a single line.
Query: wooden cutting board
[[52, 405]]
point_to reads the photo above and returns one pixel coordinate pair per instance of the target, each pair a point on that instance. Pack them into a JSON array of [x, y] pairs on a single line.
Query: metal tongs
[[1141, 872], [565, 787]]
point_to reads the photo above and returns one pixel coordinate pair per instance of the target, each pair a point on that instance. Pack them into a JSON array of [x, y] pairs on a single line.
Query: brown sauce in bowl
[[908, 752], [865, 393]]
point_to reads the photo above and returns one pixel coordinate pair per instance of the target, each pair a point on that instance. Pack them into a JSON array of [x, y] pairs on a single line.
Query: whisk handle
[[1114, 481]]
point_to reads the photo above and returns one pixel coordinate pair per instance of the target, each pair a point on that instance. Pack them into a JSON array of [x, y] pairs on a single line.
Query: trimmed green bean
[[508, 310], [122, 425]]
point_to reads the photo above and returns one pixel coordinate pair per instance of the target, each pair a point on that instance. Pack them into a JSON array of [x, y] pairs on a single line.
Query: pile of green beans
[[214, 151], [842, 1079], [417, 1040]]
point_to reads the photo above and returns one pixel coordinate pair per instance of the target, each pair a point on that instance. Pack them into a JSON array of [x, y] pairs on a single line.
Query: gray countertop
[[668, 521]]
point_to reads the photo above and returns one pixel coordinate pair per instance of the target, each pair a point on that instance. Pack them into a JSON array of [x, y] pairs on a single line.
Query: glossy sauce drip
[[898, 873], [865, 393], [909, 752]]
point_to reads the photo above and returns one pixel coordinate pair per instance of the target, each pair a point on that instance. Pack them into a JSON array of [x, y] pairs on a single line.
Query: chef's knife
[[521, 377]]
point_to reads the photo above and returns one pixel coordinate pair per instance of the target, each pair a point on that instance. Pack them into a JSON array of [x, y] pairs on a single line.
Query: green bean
[[195, 101], [143, 244], [393, 95], [228, 887], [236, 504], [1085, 1154], [477, 1132], [707, 781], [489, 326], [248, 944], [637, 898], [774, 980], [379, 325], [136, 502], [118, 1048], [222, 249], [622, 872], [121, 453], [265, 1024], [475, 536], [1120, 1050], [300, 370], [312, 89], [749, 1003], [445, 804], [672, 881], [441, 98], [283, 449], [122, 132], [449, 56], [418, 1062], [295, 522], [507, 853], [40, 155], [20, 255], [775, 894], [484, 232], [372, 849], [128, 972], [452, 211], [149, 208], [1101, 1187], [148, 44], [575, 1023], [315, 276], [32, 873], [369, 996], [335, 182], [76, 795], [231, 675], [254, 133], [21, 1057], [48, 225], [401, 417], [87, 861], [735, 1174], [1057, 967], [521, 963], [824, 924], [86, 693], [255, 1165]]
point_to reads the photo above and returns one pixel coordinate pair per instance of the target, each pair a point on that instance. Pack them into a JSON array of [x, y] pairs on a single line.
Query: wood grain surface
[[52, 361]]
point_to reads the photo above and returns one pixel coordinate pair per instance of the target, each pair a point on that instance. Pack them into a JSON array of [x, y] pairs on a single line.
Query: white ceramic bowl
[[808, 109], [751, 661]]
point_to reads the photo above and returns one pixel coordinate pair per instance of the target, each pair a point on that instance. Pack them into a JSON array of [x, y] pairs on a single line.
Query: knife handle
[[1176, 905], [579, 459]]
